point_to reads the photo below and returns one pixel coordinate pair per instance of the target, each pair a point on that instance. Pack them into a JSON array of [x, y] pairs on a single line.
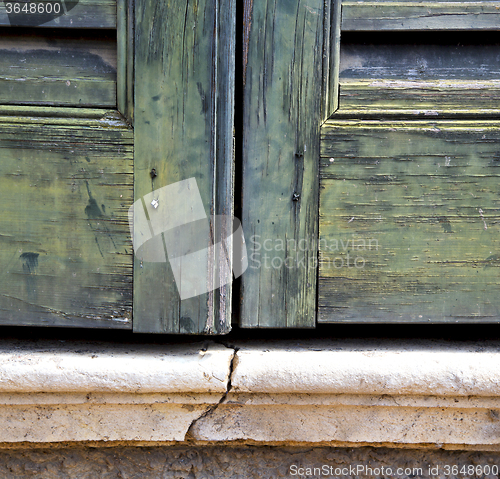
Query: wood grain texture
[[125, 18], [409, 221], [59, 70], [282, 113], [65, 189], [331, 57], [420, 15], [86, 14], [427, 78], [184, 80]]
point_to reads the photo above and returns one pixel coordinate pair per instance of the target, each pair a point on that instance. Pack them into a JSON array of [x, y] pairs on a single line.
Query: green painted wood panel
[[85, 14], [125, 59], [410, 221], [61, 69], [65, 188], [428, 78], [420, 15], [183, 127], [331, 58], [283, 54]]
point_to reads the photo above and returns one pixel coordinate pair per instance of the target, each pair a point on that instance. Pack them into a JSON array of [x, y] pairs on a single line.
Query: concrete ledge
[[86, 367], [399, 394], [356, 367]]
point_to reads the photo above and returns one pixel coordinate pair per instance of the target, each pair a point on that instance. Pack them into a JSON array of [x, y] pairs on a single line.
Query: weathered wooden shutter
[[402, 205], [409, 204], [404, 97], [78, 148], [66, 166]]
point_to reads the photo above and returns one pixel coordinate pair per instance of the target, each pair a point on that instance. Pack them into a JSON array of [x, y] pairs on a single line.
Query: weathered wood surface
[[184, 80], [410, 221], [57, 70], [65, 188], [125, 17], [426, 78], [331, 57], [85, 14], [282, 111], [420, 15]]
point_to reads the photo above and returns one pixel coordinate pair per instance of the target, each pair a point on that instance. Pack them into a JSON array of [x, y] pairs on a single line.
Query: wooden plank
[[416, 97], [426, 78], [224, 155], [282, 112], [72, 14], [125, 59], [409, 221], [419, 15], [331, 58], [184, 77], [74, 117], [60, 70], [65, 188]]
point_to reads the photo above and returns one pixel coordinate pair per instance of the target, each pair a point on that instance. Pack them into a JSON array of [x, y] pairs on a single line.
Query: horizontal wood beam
[[401, 15]]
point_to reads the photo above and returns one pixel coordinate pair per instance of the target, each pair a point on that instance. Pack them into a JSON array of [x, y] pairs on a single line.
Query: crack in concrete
[[189, 437]]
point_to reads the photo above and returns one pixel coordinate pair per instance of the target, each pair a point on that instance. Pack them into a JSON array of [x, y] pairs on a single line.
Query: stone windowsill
[[392, 393]]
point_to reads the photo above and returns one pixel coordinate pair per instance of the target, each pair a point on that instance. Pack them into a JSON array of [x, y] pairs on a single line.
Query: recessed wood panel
[[57, 69], [430, 78], [410, 221], [66, 184]]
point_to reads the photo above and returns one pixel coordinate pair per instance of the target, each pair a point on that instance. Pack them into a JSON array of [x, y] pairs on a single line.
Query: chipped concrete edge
[[397, 394]]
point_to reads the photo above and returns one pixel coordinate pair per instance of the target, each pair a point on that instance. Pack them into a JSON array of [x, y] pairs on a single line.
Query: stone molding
[[391, 393], [369, 367], [48, 366]]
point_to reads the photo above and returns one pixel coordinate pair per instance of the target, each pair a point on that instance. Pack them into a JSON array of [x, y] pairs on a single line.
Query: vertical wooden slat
[[282, 103], [331, 57], [125, 58], [224, 184], [335, 53], [184, 69]]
